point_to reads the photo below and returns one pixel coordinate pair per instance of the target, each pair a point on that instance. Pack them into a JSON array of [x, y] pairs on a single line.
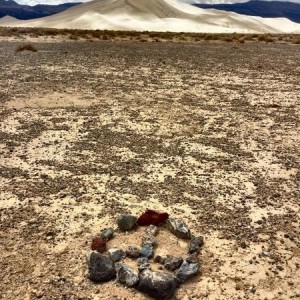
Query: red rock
[[152, 217], [98, 244]]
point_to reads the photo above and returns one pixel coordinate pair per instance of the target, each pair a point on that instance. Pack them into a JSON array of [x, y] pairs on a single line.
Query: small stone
[[196, 244], [147, 251], [107, 233], [193, 258], [100, 267], [159, 285], [116, 254], [143, 263], [152, 217], [172, 262], [98, 244], [127, 275], [187, 271], [133, 252], [179, 228], [126, 222]]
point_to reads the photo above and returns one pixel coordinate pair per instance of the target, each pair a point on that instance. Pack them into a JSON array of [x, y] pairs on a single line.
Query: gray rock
[[159, 285], [179, 228], [187, 271], [100, 267], [127, 275], [133, 252], [196, 244], [147, 251], [172, 263], [107, 233], [126, 222], [116, 254], [143, 263]]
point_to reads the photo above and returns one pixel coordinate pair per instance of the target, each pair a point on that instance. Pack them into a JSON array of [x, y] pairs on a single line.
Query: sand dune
[[156, 15]]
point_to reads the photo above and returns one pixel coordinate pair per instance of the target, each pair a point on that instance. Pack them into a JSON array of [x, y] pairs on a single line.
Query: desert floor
[[208, 132]]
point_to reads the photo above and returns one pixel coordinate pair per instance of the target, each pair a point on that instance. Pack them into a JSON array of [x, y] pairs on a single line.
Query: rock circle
[[157, 284]]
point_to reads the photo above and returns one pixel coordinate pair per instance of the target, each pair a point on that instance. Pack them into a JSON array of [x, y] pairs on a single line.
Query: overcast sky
[[33, 2]]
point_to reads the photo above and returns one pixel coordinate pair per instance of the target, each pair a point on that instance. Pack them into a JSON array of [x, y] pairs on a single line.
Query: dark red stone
[[98, 244], [152, 217]]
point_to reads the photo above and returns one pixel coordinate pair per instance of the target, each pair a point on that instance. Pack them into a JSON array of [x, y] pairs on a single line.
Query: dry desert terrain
[[208, 132]]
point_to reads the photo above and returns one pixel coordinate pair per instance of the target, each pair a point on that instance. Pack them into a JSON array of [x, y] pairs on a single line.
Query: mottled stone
[[187, 271], [133, 252], [179, 228], [126, 222], [172, 263], [116, 254], [160, 259], [196, 244], [127, 275], [159, 285], [100, 267]]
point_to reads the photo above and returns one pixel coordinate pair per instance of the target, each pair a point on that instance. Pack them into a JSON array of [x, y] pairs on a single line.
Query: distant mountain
[[265, 9], [26, 12]]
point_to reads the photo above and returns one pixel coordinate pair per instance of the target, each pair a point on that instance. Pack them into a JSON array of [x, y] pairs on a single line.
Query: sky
[[34, 2]]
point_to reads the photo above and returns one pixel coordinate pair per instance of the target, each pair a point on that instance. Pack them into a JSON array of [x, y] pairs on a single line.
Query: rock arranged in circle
[[159, 285]]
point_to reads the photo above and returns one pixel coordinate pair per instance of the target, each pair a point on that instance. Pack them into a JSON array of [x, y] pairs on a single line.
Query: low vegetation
[[111, 35], [26, 47]]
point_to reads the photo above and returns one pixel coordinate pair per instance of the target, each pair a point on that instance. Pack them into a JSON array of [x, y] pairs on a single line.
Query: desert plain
[[207, 131]]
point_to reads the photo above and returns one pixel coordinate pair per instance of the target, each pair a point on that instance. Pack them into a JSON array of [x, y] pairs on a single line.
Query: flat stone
[[133, 252], [172, 263], [179, 228], [196, 244], [187, 271], [127, 275], [107, 233], [100, 268], [159, 285], [126, 222], [147, 251], [116, 254]]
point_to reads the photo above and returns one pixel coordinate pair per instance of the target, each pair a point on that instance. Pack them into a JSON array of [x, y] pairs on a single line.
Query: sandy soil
[[209, 133]]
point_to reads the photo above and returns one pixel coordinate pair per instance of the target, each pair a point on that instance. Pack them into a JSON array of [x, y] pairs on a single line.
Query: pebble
[[187, 271], [126, 275], [116, 254], [100, 268], [159, 285], [196, 244], [147, 251], [172, 263], [133, 252], [126, 222], [143, 263], [179, 228], [107, 233]]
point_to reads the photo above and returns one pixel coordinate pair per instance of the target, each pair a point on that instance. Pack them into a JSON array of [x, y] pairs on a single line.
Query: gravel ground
[[208, 132]]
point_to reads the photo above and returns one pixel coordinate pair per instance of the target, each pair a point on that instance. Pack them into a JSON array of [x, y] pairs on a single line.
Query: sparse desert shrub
[[26, 47], [241, 40]]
